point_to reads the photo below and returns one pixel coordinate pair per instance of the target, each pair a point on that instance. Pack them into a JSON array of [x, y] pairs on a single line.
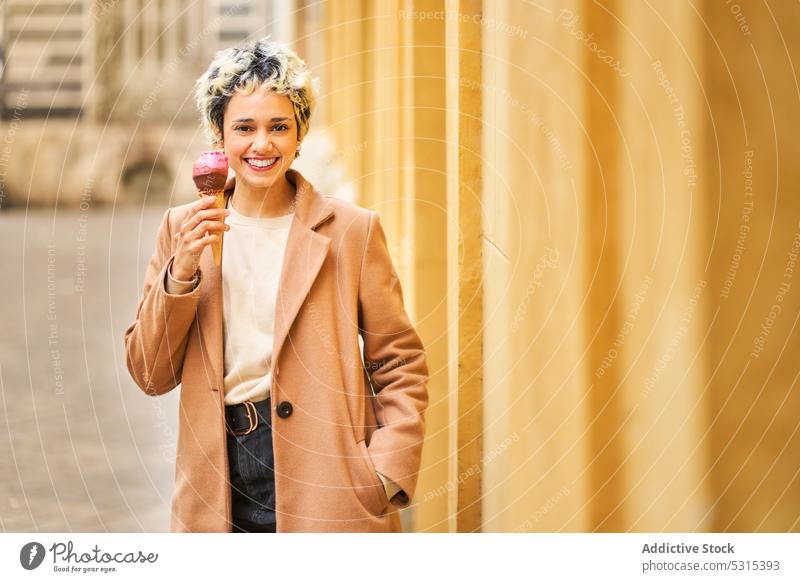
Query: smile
[[261, 165]]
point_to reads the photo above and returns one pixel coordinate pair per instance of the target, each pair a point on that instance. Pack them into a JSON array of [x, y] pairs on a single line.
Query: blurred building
[[97, 94]]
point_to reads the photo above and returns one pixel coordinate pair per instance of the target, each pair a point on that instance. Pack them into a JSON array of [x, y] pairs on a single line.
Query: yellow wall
[[563, 188], [384, 102], [752, 146], [535, 255]]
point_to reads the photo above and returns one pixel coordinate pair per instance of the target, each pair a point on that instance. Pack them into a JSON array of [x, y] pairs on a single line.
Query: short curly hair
[[244, 68]]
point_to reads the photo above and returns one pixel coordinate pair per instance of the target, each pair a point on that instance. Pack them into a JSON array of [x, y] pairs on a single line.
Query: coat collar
[[305, 253], [310, 207]]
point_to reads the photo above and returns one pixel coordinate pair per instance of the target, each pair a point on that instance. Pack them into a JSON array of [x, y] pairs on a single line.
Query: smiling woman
[[260, 140], [286, 424]]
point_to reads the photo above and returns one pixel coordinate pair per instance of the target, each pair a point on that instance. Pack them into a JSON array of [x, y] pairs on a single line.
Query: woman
[[283, 427]]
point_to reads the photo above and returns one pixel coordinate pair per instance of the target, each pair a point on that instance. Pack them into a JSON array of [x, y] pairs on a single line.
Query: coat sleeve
[[395, 361], [155, 343]]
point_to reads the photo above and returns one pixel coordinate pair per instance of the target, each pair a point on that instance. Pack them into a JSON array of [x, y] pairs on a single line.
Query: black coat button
[[285, 409]]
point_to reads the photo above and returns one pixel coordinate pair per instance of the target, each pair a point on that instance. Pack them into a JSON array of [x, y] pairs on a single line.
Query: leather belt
[[242, 419]]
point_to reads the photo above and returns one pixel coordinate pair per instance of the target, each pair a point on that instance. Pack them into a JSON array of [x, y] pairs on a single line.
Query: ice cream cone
[[209, 173], [219, 202]]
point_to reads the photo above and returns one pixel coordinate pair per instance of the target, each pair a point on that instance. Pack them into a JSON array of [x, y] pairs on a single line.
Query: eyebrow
[[250, 119]]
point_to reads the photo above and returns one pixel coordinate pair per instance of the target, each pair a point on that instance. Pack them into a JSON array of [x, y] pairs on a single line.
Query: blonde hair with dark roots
[[261, 64]]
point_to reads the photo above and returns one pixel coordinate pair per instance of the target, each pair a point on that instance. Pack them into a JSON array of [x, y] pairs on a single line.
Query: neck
[[277, 200]]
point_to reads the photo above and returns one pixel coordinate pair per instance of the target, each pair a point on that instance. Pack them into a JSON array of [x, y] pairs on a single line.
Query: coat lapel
[[305, 253]]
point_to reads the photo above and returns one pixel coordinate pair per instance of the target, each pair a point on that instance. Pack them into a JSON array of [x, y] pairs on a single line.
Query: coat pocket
[[375, 490]]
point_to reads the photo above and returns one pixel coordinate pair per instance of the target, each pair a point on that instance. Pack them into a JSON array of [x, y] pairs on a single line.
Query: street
[[81, 447]]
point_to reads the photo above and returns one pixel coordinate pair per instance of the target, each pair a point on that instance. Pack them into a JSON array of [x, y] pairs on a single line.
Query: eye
[[242, 128], [280, 127]]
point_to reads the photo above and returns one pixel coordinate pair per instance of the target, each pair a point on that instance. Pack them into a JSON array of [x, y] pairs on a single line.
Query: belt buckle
[[252, 418]]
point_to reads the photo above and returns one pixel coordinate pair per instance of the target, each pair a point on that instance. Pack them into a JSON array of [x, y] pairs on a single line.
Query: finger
[[213, 214], [208, 226], [217, 214], [201, 243], [204, 202]]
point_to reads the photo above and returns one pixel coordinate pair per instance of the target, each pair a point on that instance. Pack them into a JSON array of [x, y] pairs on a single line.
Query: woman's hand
[[197, 232]]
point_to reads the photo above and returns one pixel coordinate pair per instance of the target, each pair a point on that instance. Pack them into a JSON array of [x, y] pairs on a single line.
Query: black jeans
[[252, 473]]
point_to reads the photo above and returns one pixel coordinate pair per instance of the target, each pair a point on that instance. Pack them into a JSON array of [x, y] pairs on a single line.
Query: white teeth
[[261, 163]]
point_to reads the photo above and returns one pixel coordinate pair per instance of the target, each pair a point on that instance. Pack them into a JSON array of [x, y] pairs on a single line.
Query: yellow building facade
[[593, 208]]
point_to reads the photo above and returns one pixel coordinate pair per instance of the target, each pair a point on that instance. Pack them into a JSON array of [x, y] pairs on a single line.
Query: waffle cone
[[219, 202]]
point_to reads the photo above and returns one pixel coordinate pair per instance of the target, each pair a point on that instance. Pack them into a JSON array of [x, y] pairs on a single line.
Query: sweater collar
[[311, 207]]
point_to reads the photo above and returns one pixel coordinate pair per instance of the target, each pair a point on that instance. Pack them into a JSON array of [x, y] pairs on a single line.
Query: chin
[[257, 180], [260, 184]]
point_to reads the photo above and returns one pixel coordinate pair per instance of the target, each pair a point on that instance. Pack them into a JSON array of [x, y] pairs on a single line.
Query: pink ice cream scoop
[[210, 171]]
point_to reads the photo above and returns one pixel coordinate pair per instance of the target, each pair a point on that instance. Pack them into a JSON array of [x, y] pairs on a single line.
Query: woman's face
[[260, 137]]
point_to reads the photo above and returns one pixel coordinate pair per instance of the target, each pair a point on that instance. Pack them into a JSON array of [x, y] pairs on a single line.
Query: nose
[[262, 142]]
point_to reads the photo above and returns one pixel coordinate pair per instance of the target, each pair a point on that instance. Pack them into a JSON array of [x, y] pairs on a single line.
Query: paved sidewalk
[[81, 447]]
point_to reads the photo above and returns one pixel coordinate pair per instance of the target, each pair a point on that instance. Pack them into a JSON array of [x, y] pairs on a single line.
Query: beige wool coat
[[349, 420]]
